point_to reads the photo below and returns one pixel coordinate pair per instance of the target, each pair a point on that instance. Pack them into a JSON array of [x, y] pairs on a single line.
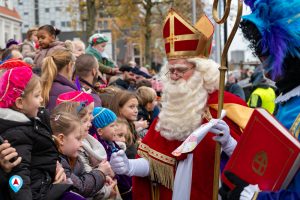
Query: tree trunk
[[148, 34], [91, 13]]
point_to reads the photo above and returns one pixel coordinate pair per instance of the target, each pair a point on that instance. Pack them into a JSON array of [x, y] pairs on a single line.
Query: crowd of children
[[61, 121]]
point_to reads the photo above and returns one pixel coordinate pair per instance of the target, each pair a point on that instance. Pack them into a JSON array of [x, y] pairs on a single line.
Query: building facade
[[63, 15], [10, 23]]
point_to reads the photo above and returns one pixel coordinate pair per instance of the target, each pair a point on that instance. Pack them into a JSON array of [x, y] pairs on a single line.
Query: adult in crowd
[[97, 44], [127, 81], [189, 99], [263, 93], [12, 44], [233, 87], [273, 30], [86, 76]]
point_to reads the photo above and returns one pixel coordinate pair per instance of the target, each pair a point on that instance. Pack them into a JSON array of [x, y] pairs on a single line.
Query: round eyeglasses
[[178, 69]]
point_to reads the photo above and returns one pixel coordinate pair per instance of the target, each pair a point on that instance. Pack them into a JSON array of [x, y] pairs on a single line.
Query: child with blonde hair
[[123, 136], [57, 72], [88, 183], [147, 101]]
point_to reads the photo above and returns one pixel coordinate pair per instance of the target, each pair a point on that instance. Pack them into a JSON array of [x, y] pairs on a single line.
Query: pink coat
[[42, 53]]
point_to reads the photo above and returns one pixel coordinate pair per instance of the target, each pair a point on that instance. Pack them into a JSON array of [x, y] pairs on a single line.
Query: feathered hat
[[278, 22]]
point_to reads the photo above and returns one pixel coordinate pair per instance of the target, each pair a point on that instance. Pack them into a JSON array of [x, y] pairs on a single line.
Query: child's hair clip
[[81, 106], [57, 117]]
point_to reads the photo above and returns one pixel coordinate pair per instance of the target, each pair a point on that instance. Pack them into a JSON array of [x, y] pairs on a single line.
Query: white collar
[[293, 93]]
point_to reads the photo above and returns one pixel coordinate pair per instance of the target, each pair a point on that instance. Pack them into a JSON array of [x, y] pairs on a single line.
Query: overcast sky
[[238, 43]]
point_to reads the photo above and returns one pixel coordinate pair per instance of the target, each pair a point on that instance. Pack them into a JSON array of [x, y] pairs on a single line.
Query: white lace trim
[[293, 93]]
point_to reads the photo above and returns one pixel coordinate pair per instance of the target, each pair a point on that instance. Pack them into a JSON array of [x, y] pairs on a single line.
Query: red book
[[266, 154]]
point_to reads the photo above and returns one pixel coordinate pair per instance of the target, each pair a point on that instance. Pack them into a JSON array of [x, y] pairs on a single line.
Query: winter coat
[[28, 49], [85, 183], [33, 142], [124, 182], [235, 89], [124, 85], [60, 85], [105, 66], [42, 53]]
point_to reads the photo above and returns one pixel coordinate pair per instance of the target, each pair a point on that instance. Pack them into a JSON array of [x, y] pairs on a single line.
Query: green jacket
[[105, 65]]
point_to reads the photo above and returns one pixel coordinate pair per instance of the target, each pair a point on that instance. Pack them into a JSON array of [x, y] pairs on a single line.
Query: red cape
[[158, 150]]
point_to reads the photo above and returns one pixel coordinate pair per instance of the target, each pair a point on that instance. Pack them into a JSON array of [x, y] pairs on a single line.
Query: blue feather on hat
[[278, 22]]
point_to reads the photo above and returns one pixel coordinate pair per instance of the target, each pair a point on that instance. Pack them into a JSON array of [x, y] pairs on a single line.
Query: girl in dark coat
[[20, 99]]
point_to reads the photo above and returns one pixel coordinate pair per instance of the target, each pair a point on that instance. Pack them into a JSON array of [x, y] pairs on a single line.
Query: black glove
[[234, 194]]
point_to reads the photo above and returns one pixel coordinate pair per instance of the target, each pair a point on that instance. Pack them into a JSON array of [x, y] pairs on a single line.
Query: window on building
[[6, 36], [63, 24], [47, 10], [25, 13], [68, 24], [100, 26], [26, 26], [20, 2], [52, 23], [105, 25], [57, 9]]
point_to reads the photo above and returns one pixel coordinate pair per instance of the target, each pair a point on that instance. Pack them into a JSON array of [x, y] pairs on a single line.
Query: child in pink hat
[[92, 155], [20, 99]]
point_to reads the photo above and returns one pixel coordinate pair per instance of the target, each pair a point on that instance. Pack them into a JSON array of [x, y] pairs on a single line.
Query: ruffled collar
[[287, 96]]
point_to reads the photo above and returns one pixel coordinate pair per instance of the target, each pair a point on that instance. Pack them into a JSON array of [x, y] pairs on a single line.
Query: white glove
[[130, 167], [249, 191], [119, 162], [223, 136]]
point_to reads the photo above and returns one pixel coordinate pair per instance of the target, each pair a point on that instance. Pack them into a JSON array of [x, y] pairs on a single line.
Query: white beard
[[184, 103]]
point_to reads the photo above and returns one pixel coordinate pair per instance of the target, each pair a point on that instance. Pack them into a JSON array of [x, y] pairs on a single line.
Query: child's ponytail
[[49, 72], [51, 66]]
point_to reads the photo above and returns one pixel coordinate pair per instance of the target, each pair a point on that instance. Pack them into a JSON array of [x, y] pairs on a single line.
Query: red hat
[[12, 85], [183, 40], [12, 63], [75, 96]]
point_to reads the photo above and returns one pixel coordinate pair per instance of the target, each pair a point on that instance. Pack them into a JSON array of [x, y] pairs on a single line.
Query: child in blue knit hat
[[105, 123]]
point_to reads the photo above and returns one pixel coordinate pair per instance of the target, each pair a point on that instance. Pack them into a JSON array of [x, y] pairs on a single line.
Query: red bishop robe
[[157, 150]]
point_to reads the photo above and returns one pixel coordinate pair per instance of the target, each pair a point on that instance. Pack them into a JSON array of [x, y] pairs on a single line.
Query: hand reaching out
[[105, 167], [112, 184]]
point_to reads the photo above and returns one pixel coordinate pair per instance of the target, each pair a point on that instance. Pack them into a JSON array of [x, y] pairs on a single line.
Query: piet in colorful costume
[[186, 104], [273, 29]]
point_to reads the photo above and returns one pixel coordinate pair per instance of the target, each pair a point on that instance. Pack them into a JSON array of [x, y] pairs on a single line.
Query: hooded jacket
[[32, 140]]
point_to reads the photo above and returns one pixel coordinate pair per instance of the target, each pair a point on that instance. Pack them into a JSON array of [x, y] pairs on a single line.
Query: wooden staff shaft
[[223, 69]]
